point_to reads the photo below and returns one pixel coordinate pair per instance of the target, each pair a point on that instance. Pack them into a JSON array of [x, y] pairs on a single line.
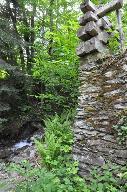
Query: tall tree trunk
[[27, 40], [29, 37], [32, 39], [50, 51], [14, 21]]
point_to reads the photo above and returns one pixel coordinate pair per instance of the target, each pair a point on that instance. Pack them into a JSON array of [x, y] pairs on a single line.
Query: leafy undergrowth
[[109, 178], [121, 129], [57, 172]]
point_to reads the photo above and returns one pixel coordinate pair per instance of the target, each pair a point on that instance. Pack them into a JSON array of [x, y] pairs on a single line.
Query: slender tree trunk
[[14, 21], [50, 51], [27, 41], [29, 37], [32, 34]]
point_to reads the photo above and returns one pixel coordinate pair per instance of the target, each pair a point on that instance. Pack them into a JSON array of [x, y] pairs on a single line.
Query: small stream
[[21, 144], [16, 153], [16, 148]]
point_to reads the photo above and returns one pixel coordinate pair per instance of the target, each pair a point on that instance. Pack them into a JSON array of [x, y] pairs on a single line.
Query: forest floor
[[23, 150]]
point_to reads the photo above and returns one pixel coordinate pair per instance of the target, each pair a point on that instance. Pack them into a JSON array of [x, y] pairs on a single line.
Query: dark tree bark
[[32, 34], [50, 51], [18, 12], [12, 14]]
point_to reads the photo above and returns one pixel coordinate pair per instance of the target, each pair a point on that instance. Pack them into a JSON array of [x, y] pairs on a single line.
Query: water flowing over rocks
[[18, 152]]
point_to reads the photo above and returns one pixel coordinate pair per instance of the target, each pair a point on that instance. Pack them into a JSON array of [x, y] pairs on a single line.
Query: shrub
[[109, 178]]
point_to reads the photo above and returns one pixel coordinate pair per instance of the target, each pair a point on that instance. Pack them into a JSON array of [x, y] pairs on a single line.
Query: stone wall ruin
[[103, 92]]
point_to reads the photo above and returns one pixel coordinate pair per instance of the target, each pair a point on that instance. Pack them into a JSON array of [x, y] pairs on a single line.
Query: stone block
[[87, 6], [103, 37], [104, 23], [90, 29], [89, 16], [121, 153], [94, 57], [109, 7], [82, 34], [92, 45]]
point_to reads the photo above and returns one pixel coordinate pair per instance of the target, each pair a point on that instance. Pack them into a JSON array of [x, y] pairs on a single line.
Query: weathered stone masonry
[[103, 93]]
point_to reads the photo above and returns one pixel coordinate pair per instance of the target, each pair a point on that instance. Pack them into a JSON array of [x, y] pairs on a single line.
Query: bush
[[56, 156], [57, 74], [109, 178]]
